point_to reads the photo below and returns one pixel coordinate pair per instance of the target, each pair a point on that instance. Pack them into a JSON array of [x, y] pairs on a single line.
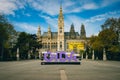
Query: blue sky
[[27, 15]]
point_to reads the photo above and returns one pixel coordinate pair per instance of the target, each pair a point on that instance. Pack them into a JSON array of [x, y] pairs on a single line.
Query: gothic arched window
[[60, 30], [60, 44]]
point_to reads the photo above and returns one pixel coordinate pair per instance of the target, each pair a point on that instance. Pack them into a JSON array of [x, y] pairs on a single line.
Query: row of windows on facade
[[45, 45]]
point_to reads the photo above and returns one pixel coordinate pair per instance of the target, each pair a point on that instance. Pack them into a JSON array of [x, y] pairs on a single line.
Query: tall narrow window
[[60, 44], [43, 46], [67, 45], [56, 45], [48, 45], [60, 30]]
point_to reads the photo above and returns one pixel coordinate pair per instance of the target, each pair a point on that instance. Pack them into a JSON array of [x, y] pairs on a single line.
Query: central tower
[[60, 40]]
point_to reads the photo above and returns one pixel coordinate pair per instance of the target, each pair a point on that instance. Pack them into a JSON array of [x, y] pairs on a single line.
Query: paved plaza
[[33, 70]]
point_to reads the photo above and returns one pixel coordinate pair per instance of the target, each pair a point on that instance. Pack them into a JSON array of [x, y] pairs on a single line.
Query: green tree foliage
[[6, 33], [27, 42], [3, 39], [23, 44], [95, 42], [3, 31], [113, 24], [108, 38], [110, 34]]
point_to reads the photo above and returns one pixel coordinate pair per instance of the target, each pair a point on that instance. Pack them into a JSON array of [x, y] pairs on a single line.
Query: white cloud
[[46, 6], [105, 3], [9, 6], [96, 18], [90, 6], [52, 22], [102, 17], [69, 6], [26, 14], [30, 28], [93, 24], [51, 7]]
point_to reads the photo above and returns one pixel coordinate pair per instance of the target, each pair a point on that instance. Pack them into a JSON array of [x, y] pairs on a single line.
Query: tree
[[27, 42], [3, 39], [97, 46], [108, 38], [34, 45], [7, 37], [23, 45], [114, 24]]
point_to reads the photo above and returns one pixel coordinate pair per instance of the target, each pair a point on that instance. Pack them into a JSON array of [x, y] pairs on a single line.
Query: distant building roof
[[55, 34], [45, 34], [68, 33]]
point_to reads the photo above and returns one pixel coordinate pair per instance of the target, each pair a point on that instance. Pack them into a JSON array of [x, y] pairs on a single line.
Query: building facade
[[60, 40]]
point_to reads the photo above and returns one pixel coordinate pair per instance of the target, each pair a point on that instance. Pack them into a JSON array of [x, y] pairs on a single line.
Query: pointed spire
[[60, 13], [49, 32], [72, 25], [49, 29], [39, 32], [82, 32], [39, 28], [72, 32], [60, 19], [60, 3]]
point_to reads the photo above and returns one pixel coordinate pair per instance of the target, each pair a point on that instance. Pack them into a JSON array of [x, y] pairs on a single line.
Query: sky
[[27, 15]]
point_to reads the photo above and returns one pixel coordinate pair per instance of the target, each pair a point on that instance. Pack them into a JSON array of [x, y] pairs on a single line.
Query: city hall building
[[60, 40]]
